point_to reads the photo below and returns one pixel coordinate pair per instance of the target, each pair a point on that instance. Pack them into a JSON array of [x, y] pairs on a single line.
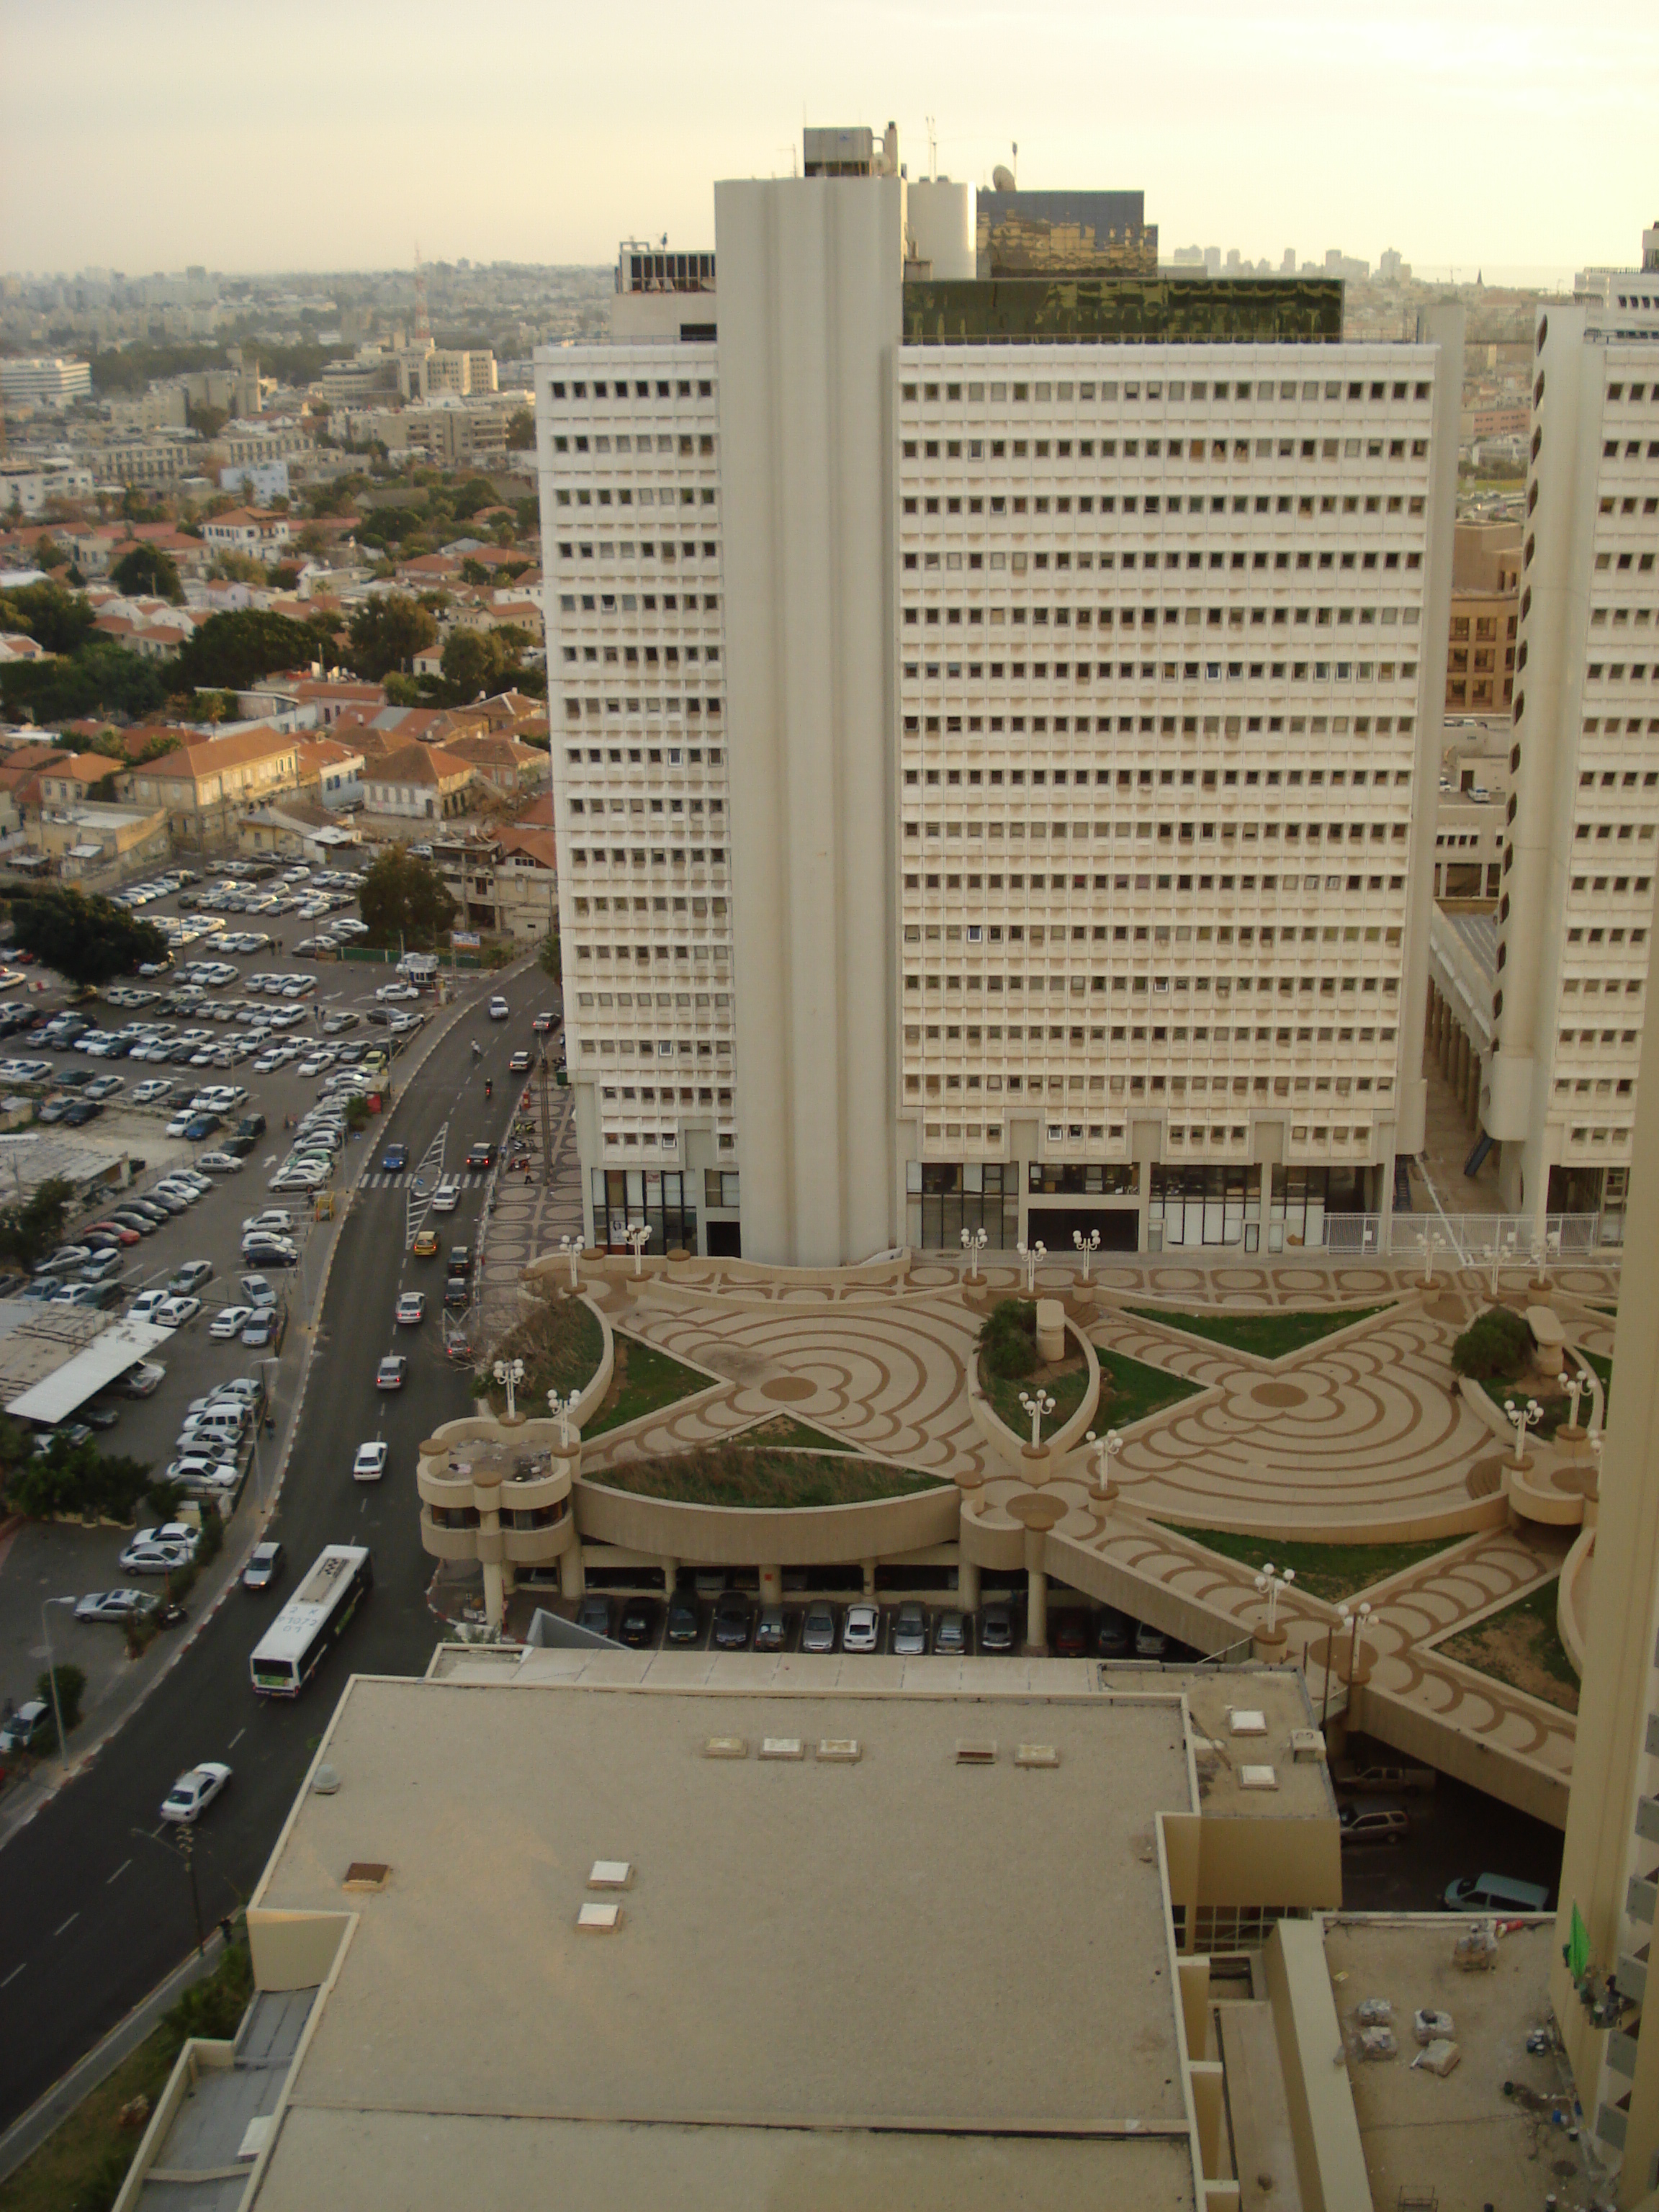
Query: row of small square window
[[684, 444], [1167, 725], [1303, 506], [1619, 672], [620, 856], [650, 550], [1236, 449], [652, 757], [659, 388], [1143, 779], [1180, 389], [1631, 450], [1625, 563], [1147, 882], [1182, 672], [627, 603]]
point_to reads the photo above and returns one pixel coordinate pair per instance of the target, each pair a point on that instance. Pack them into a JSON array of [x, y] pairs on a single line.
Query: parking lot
[[251, 1024]]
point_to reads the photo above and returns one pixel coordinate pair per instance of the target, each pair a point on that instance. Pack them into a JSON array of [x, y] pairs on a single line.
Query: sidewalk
[[525, 1216]]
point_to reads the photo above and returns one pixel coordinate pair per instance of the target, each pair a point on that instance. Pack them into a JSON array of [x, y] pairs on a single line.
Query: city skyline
[[1396, 128]]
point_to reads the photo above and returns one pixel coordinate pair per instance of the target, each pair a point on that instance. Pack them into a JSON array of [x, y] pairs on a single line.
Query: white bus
[[292, 1647]]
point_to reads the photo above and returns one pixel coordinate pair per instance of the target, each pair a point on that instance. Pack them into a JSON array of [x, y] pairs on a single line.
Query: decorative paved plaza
[[1360, 1435]]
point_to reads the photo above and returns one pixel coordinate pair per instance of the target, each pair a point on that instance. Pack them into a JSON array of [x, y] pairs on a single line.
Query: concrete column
[[771, 1585], [1472, 1093], [573, 1574], [1036, 1602], [1205, 2074], [495, 1596], [671, 1568], [968, 1585], [869, 1570]]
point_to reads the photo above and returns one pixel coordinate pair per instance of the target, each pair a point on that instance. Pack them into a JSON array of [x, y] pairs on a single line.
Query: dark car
[[732, 1623], [265, 1563], [594, 1615], [769, 1629], [82, 1111], [639, 1622], [251, 1125], [482, 1155], [1069, 1634], [996, 1628], [203, 1124], [394, 1157], [457, 1294], [683, 1626], [460, 1259], [238, 1147], [1113, 1633]]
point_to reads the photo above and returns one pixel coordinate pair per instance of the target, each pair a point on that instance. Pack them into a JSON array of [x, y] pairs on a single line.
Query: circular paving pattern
[[1484, 1478], [1279, 1394], [791, 1387]]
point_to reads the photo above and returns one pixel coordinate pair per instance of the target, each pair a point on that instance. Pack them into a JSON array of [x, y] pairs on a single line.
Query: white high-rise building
[[1574, 940], [999, 791]]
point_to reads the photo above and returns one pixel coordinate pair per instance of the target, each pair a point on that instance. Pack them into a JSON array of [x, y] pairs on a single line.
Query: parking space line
[[236, 1739], [67, 1925], [119, 1871], [12, 1977]]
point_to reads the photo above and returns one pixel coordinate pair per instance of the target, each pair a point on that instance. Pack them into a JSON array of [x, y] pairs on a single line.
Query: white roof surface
[[109, 1354]]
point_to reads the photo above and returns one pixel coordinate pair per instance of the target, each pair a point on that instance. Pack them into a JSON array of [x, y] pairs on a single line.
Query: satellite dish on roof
[[1002, 179]]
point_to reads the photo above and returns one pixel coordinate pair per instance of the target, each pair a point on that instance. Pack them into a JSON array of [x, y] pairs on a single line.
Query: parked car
[[950, 1634], [1373, 1824], [120, 1606], [1495, 1892], [1113, 1633], [909, 1631], [996, 1628], [261, 1330], [594, 1614], [145, 1379], [29, 1728], [683, 1625], [1068, 1632], [639, 1622], [817, 1629], [861, 1631], [228, 1321], [769, 1629], [732, 1623]]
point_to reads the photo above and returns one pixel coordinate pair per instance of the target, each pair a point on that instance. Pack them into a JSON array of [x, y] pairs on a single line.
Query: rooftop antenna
[[1016, 165], [933, 150]]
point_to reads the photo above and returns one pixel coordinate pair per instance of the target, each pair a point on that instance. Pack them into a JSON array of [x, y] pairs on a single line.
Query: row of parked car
[[738, 1624]]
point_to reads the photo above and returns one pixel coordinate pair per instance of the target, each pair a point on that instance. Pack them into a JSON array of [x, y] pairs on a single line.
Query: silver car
[[818, 1631], [909, 1631]]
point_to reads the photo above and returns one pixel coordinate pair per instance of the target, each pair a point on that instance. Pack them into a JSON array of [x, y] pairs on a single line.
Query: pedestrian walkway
[[528, 1216], [468, 1179]]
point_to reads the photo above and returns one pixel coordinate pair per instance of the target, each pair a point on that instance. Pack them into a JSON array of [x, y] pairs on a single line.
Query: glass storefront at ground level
[[1077, 1179], [628, 1198], [942, 1199], [1223, 1205], [1600, 1191]]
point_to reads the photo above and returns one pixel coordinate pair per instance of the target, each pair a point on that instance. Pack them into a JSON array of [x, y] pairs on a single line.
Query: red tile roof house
[[421, 781], [501, 761], [205, 787], [254, 530]]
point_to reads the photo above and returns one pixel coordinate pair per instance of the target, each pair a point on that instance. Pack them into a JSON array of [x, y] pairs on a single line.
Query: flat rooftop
[[1461, 2135], [823, 1966]]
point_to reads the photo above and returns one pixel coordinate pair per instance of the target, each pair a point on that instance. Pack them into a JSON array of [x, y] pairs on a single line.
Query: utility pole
[[187, 1852]]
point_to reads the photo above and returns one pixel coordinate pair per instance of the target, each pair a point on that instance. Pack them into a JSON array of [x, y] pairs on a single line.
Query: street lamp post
[[562, 1408], [974, 1242], [510, 1374], [637, 1238], [1430, 1246], [1269, 1584], [1106, 1449], [1088, 1246], [1341, 1615], [52, 1677], [1031, 1254], [571, 1248], [1037, 1404], [1573, 1384], [1362, 1615], [1521, 1419]]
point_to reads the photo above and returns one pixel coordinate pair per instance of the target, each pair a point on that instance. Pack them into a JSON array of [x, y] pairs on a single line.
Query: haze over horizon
[[1511, 139]]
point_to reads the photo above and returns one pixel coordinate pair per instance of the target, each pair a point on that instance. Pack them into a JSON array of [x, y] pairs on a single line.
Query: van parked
[[1496, 1893]]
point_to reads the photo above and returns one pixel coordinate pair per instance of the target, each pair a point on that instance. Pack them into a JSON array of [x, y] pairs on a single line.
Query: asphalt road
[[96, 1900]]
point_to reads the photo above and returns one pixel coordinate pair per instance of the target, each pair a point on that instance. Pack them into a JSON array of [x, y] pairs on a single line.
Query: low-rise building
[[259, 531], [26, 485], [204, 787], [331, 772], [85, 836], [420, 781]]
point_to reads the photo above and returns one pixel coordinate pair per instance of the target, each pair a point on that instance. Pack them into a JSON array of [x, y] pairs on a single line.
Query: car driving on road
[[192, 1793], [391, 1373], [369, 1465], [412, 1310]]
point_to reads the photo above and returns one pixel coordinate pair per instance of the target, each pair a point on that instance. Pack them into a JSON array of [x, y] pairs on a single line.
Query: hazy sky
[[333, 134]]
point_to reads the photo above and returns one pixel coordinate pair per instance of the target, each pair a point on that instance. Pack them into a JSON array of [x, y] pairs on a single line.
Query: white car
[[499, 1009], [174, 1313], [152, 1091], [219, 1162], [447, 1196], [201, 1471], [230, 1320], [147, 1306], [275, 1217], [192, 1793], [144, 1380], [388, 992], [863, 1629], [370, 1462]]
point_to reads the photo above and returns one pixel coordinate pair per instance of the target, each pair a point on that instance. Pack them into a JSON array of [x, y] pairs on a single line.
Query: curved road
[[94, 1904]]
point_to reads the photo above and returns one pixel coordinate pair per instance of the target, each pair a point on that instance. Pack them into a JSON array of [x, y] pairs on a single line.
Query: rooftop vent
[[781, 1746], [840, 1750], [600, 1919], [611, 1874], [1307, 1744], [1036, 1755], [367, 1873], [1257, 1777], [725, 1747], [1247, 1723], [981, 1752]]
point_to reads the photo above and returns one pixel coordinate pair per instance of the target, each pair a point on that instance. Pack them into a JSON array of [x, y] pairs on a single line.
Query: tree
[[486, 660], [521, 429], [89, 939], [59, 621], [137, 505], [387, 633], [476, 493], [403, 897], [403, 690], [146, 572], [28, 1231], [547, 956], [1497, 1344], [101, 678], [209, 421], [227, 653], [69, 1683], [49, 554]]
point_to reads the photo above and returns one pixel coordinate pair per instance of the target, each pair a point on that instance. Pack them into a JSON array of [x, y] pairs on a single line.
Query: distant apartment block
[[45, 380]]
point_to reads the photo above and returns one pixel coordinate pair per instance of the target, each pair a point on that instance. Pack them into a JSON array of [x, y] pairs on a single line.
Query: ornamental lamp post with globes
[[562, 1408], [1269, 1584], [1088, 1246], [974, 1242], [638, 1238], [1037, 1404], [1521, 1419], [571, 1249], [509, 1373], [1106, 1451]]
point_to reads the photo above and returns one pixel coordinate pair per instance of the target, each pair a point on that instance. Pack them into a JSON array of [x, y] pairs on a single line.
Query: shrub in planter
[[1496, 1347], [1007, 1337], [71, 1687]]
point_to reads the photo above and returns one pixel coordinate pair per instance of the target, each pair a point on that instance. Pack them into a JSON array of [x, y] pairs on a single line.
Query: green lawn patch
[[1331, 1572], [83, 2163], [784, 1429], [1065, 1383], [1521, 1646], [645, 1380], [1130, 1390], [770, 1479], [561, 1344], [1268, 1335]]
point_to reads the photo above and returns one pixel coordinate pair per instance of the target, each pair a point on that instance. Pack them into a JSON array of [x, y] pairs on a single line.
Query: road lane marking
[[12, 1977], [120, 1870], [236, 1739], [67, 1925]]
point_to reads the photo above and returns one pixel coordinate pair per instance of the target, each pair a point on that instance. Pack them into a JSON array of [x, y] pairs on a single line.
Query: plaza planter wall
[[728, 1535]]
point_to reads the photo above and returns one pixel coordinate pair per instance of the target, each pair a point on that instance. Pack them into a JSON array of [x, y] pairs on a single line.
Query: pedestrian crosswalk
[[462, 1181]]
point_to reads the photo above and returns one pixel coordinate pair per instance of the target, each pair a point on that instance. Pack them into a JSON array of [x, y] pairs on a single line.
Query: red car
[[117, 1230]]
